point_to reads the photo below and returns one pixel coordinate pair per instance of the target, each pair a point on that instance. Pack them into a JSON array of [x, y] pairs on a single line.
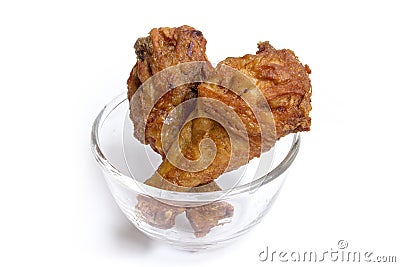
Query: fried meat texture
[[156, 213], [163, 48], [278, 76], [204, 218], [285, 85]]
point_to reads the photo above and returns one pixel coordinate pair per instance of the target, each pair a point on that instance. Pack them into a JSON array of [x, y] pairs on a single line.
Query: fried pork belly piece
[[284, 83], [204, 218], [163, 48]]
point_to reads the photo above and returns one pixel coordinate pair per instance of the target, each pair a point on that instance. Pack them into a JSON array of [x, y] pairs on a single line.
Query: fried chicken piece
[[200, 129], [204, 218], [284, 83], [156, 213], [162, 215], [163, 48], [159, 182]]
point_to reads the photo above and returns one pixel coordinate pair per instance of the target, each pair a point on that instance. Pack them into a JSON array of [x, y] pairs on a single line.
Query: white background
[[61, 62]]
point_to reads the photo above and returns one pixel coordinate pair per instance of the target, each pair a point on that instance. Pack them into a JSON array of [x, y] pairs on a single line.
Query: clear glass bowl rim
[[141, 188]]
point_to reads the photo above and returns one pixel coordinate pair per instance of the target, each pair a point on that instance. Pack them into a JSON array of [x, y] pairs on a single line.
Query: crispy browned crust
[[201, 128], [285, 84], [162, 215], [163, 48], [133, 82], [204, 218], [156, 213]]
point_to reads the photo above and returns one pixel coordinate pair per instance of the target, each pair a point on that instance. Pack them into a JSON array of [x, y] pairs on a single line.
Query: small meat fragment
[[204, 218], [156, 213], [162, 215]]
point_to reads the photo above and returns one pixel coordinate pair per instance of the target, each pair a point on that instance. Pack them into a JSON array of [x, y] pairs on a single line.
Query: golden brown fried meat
[[162, 215], [204, 218], [200, 128], [284, 83], [156, 213], [163, 48]]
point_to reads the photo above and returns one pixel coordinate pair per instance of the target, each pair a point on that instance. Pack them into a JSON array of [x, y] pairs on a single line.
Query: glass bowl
[[187, 220]]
